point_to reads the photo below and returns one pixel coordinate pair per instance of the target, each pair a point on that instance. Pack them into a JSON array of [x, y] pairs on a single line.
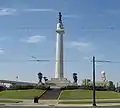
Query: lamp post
[[94, 100]]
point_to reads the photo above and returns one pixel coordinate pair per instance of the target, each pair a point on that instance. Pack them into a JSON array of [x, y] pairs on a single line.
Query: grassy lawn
[[88, 101], [20, 94], [86, 94], [10, 101]]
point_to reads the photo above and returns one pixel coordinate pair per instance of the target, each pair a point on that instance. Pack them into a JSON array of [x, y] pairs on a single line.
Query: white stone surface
[[58, 82], [59, 79], [59, 72]]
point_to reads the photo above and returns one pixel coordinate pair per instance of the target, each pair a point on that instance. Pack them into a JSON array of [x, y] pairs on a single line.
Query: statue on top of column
[[60, 24], [60, 17]]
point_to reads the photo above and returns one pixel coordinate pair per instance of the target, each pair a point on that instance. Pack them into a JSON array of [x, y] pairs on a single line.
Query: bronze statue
[[60, 17]]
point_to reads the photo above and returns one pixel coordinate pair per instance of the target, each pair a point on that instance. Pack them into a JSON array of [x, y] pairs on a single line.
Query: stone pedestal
[[58, 82]]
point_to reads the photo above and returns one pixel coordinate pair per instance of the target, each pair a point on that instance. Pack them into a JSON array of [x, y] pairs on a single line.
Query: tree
[[75, 78], [40, 75], [45, 79], [86, 82], [111, 85]]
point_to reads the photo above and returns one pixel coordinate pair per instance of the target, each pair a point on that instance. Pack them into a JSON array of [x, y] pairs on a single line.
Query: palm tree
[[40, 75], [75, 78]]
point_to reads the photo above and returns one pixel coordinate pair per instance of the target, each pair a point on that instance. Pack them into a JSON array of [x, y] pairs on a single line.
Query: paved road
[[56, 107], [35, 106]]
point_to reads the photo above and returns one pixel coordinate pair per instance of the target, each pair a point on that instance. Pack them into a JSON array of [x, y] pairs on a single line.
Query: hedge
[[69, 87], [2, 88], [26, 87]]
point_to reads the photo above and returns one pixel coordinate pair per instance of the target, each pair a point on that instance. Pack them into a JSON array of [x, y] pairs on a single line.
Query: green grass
[[10, 101], [21, 94], [88, 101], [86, 94]]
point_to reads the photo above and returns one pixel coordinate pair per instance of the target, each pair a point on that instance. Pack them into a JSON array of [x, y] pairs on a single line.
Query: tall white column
[[59, 50]]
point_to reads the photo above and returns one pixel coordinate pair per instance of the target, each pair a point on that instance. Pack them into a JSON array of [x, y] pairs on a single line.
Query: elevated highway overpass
[[16, 82]]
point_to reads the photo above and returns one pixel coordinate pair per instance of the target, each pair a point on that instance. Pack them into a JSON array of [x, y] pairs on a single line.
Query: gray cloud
[[2, 51], [71, 16], [82, 46], [51, 10], [40, 10], [7, 11], [34, 39], [12, 11]]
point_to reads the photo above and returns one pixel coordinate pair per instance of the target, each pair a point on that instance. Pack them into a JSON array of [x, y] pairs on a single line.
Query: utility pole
[[100, 61], [94, 100]]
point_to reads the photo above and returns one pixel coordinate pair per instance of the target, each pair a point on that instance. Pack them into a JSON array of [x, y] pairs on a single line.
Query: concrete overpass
[[17, 82]]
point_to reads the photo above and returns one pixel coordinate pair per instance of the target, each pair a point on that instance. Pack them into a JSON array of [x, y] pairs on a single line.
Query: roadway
[[57, 106], [16, 82]]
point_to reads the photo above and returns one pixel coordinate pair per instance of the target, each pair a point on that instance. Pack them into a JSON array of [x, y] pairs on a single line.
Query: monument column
[[59, 49]]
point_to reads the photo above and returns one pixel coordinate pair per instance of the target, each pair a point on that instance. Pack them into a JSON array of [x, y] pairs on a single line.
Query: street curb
[[61, 105], [60, 95], [89, 105]]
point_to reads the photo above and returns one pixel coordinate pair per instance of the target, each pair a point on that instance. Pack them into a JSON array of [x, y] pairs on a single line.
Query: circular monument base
[[57, 82]]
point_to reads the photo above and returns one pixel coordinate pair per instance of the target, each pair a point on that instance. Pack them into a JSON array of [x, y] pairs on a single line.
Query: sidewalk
[[55, 99], [60, 105], [88, 105]]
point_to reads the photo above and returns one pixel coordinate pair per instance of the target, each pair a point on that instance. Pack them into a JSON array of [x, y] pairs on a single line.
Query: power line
[[31, 27], [106, 61], [24, 60], [37, 60]]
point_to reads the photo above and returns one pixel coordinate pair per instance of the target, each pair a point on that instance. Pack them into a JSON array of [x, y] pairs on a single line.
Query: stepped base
[[51, 94], [57, 82]]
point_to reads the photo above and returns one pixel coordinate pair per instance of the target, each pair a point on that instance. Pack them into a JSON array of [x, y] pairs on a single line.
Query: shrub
[[21, 87], [42, 87], [69, 87], [98, 88], [26, 87], [2, 88]]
